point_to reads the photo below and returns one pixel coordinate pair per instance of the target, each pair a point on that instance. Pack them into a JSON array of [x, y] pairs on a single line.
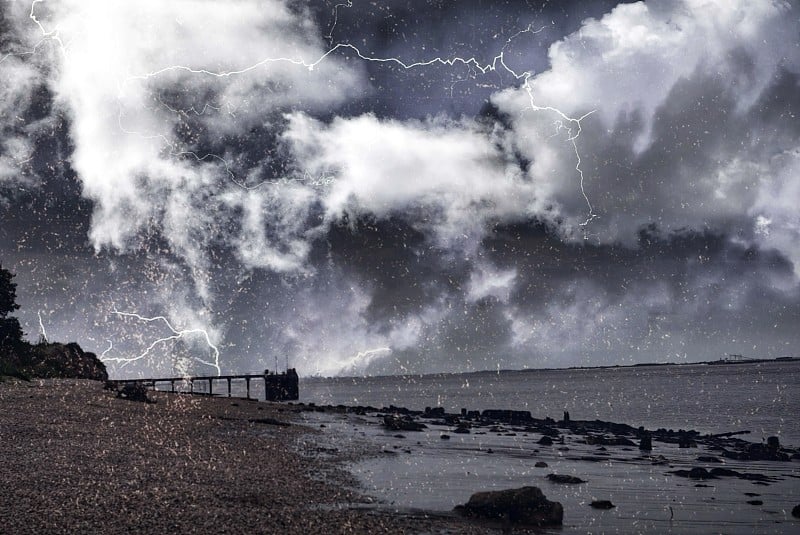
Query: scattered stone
[[545, 441], [773, 444], [540, 464], [725, 472], [602, 440], [524, 506], [564, 478], [602, 504], [402, 422], [695, 473]]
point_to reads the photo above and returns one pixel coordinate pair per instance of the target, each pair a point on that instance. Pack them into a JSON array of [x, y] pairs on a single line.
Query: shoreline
[[78, 459], [689, 487]]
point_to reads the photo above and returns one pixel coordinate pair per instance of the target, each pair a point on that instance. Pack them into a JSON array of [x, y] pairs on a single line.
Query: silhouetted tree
[[10, 330], [8, 292]]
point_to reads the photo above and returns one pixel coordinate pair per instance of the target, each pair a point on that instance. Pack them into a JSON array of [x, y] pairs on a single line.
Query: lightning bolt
[[497, 65], [108, 349], [348, 4], [41, 326], [366, 356], [176, 335]]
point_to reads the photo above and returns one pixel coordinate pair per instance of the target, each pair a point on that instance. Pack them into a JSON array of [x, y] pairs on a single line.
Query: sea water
[[423, 471], [763, 398]]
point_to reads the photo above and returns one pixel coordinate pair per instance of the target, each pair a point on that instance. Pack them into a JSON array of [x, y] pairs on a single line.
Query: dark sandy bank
[[76, 459]]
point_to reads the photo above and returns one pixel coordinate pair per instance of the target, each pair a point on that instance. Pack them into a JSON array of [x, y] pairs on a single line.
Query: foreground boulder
[[524, 506]]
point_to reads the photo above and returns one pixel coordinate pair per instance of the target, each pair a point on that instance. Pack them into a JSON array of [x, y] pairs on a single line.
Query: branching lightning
[[366, 356], [497, 65], [176, 335]]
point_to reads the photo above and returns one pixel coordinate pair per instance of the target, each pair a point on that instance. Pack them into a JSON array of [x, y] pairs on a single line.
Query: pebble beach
[[77, 459]]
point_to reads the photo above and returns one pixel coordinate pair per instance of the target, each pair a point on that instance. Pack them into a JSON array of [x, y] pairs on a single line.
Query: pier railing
[[277, 386]]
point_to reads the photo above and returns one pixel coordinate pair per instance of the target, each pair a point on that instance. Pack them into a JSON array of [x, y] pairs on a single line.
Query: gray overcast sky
[[401, 187]]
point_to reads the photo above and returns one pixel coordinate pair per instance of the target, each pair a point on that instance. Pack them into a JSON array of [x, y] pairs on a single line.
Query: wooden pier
[[277, 386]]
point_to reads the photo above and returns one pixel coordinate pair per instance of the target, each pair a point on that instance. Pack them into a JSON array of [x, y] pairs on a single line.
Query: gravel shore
[[76, 459]]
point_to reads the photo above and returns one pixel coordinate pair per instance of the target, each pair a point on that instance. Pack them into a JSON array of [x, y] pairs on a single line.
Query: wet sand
[[75, 459]]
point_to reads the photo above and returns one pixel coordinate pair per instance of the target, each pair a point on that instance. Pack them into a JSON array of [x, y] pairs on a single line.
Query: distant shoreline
[[720, 362]]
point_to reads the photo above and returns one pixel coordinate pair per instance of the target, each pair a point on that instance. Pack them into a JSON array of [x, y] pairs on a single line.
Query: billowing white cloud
[[449, 176], [691, 128], [130, 73], [674, 88], [17, 82]]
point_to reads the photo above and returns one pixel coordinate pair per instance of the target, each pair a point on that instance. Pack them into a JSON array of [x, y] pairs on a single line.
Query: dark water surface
[[763, 398]]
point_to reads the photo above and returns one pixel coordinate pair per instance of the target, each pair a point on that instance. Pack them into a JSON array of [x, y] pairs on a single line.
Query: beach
[[76, 459]]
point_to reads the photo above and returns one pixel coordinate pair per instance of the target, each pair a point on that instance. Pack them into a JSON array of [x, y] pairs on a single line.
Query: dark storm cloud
[[361, 217]]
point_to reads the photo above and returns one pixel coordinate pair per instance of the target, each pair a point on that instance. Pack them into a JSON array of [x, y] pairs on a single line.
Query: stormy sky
[[402, 186]]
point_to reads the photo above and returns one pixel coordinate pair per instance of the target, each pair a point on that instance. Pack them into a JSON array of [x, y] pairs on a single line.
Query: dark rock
[[445, 437], [462, 429], [695, 473], [545, 441], [773, 444], [646, 444], [752, 494], [796, 511], [755, 502], [601, 440], [525, 506], [566, 417], [402, 422], [602, 504], [540, 464], [399, 436], [724, 472], [436, 412], [133, 392], [563, 478], [507, 416]]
